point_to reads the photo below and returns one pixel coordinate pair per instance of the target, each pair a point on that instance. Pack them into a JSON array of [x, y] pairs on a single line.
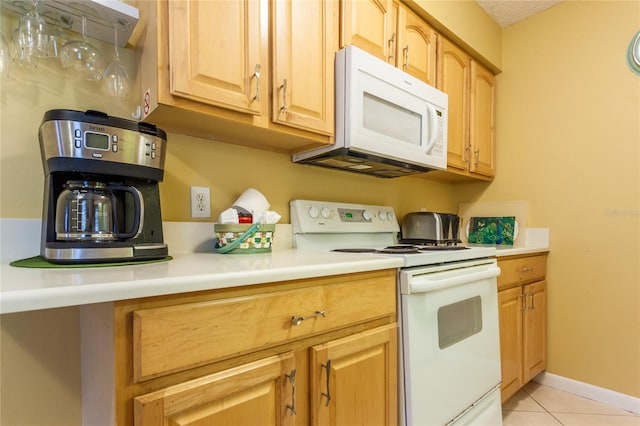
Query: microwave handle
[[433, 122]]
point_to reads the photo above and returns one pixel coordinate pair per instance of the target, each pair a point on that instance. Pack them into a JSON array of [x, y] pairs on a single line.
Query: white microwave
[[388, 123]]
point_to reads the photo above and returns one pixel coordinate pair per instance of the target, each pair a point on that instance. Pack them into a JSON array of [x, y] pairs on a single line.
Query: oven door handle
[[439, 280]]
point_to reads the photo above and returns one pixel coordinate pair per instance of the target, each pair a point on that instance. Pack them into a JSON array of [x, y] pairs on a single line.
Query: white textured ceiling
[[507, 12]]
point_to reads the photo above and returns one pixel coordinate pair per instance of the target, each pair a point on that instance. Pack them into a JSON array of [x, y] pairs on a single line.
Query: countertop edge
[[31, 299]]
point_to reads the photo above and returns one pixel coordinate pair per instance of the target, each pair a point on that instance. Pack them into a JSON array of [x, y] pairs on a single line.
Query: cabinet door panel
[[369, 25], [214, 48], [416, 46], [535, 330], [455, 66], [510, 314], [354, 379], [482, 125], [303, 64], [256, 393]]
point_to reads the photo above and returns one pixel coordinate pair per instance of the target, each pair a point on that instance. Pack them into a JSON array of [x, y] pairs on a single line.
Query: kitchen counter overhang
[[29, 289]]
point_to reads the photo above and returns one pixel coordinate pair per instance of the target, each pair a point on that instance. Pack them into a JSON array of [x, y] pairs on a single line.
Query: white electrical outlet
[[200, 201]]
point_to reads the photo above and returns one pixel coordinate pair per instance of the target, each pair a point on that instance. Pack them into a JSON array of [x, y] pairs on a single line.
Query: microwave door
[[391, 120]]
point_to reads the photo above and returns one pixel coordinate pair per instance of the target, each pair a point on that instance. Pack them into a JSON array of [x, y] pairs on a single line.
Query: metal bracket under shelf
[[101, 16]]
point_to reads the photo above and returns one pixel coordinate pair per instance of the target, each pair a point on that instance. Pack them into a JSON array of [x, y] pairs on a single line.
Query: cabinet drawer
[[521, 270], [174, 338]]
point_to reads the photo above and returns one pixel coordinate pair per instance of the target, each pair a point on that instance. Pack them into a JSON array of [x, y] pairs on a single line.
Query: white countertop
[[28, 289]]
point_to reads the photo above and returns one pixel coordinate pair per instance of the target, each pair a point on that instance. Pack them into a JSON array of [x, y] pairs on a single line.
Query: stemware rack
[[101, 16]]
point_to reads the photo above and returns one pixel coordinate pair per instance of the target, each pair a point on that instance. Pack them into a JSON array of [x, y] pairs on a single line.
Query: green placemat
[[40, 262]]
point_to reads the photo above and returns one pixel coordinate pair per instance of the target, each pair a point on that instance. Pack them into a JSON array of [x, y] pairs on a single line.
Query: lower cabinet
[[307, 352], [354, 379], [522, 312], [255, 393]]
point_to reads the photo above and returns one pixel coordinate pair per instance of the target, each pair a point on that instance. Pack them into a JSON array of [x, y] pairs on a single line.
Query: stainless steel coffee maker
[[101, 195]]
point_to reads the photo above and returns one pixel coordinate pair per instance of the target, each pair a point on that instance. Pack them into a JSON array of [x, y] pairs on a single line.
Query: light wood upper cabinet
[[455, 78], [205, 69], [222, 72], [483, 121], [392, 32], [416, 46], [304, 45], [471, 132], [369, 25]]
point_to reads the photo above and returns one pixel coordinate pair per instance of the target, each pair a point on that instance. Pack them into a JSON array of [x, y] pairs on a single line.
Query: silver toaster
[[430, 227]]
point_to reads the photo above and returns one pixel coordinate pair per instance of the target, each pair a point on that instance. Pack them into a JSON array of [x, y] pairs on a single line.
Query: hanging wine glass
[[20, 55], [116, 78], [33, 39], [29, 40], [80, 59], [5, 57]]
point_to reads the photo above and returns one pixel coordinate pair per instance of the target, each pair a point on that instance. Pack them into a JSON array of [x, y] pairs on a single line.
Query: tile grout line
[[543, 407]]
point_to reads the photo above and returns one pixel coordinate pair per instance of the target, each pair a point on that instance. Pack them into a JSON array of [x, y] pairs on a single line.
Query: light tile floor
[[539, 405]]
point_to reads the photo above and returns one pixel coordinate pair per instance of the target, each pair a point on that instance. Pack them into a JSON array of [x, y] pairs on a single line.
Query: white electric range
[[449, 350]]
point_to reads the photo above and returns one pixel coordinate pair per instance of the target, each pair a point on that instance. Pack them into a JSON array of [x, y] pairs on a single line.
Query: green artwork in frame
[[492, 230]]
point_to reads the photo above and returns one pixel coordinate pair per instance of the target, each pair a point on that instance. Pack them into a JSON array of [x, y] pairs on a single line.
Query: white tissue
[[267, 218], [228, 216]]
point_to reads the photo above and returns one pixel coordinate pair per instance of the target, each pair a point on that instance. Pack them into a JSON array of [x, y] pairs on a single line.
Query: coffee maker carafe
[[101, 196]]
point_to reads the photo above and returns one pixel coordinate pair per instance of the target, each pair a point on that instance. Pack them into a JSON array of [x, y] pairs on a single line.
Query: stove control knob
[[313, 212], [390, 215], [366, 215], [382, 215], [325, 213]]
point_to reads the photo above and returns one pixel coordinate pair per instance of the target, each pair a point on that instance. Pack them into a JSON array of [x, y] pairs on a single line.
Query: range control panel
[[328, 217]]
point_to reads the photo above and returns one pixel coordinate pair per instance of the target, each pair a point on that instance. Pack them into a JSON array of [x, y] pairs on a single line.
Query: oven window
[[458, 321], [392, 120]]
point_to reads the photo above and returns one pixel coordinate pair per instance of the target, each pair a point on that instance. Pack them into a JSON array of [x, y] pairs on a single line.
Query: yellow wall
[[568, 132]]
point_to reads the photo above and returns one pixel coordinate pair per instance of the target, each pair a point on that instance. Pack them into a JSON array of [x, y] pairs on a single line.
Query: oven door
[[450, 347]]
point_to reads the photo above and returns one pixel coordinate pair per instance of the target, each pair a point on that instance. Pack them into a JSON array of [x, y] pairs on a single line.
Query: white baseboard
[[605, 396]]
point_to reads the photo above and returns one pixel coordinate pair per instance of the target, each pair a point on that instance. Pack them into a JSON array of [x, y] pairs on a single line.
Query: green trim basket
[[244, 239]]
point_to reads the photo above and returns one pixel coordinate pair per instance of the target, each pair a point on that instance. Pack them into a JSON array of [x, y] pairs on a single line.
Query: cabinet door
[[417, 43], [482, 120], [369, 25], [510, 314], [354, 379], [215, 48], [256, 393], [535, 330], [455, 68], [304, 41]]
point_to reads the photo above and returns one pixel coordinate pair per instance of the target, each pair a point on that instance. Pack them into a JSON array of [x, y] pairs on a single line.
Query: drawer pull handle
[[527, 269], [292, 380], [298, 320], [327, 395]]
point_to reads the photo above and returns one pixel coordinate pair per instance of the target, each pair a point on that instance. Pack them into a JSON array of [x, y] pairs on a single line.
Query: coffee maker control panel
[[93, 135], [83, 140]]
